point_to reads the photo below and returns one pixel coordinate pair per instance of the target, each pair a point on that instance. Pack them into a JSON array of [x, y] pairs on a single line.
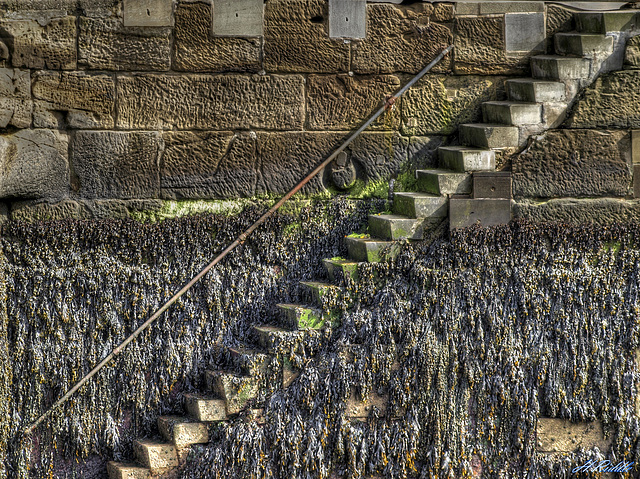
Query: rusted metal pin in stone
[[388, 102]]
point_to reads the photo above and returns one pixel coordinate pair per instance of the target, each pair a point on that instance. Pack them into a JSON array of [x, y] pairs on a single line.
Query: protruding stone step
[[604, 22], [297, 316], [534, 90], [484, 135], [183, 432], [269, 337], [466, 158], [555, 67], [235, 390], [394, 227], [465, 212], [122, 470], [204, 408], [248, 361], [443, 182], [158, 456], [370, 250], [320, 290], [512, 113], [340, 268], [582, 44], [420, 205]]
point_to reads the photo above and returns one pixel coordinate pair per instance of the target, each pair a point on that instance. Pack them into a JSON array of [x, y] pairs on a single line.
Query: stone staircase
[[466, 188]]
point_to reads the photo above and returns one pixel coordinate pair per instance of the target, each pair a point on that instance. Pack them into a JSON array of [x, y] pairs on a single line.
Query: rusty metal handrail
[[389, 101]]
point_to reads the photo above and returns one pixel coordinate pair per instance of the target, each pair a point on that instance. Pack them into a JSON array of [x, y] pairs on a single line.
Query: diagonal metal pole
[[239, 240]]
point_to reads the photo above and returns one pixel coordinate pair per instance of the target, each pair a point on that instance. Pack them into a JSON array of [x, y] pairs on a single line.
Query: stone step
[[158, 456], [340, 268], [512, 113], [465, 212], [582, 44], [534, 90], [269, 337], [555, 67], [465, 158], [249, 362], [320, 290], [604, 22], [420, 205], [394, 227], [370, 250], [236, 391], [484, 135], [205, 408], [443, 182], [122, 470], [183, 432], [492, 184], [297, 316]]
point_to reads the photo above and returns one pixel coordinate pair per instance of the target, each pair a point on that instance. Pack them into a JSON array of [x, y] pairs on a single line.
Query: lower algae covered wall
[[477, 341]]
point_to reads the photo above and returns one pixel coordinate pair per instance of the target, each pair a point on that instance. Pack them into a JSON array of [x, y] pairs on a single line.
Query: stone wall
[[105, 112]]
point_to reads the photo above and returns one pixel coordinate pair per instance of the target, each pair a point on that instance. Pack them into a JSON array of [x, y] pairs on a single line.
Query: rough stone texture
[[110, 164], [73, 99], [15, 98], [344, 102], [561, 435], [438, 104], [285, 158], [147, 13], [400, 40], [559, 20], [196, 49], [51, 46], [106, 44], [188, 102], [295, 39], [200, 165], [601, 211], [34, 164], [574, 163], [632, 53], [480, 48], [613, 101], [32, 211], [43, 9], [422, 152]]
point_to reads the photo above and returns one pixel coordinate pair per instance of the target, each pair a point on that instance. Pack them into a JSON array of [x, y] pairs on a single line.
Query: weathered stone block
[[15, 98], [347, 19], [400, 41], [344, 102], [438, 104], [219, 102], [466, 212], [574, 163], [613, 101], [488, 8], [635, 147], [559, 19], [600, 211], [106, 44], [30, 211], [51, 46], [479, 46], [632, 53], [524, 32], [561, 435], [636, 181], [111, 164], [155, 455], [74, 99], [295, 39], [196, 49], [34, 164], [147, 13], [238, 17], [492, 184], [200, 165]]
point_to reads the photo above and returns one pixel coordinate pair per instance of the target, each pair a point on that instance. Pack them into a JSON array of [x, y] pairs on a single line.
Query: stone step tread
[[582, 35], [205, 407], [267, 329], [183, 431], [127, 470], [392, 217], [369, 249], [462, 148], [416, 195], [318, 284], [506, 103], [156, 454], [539, 81], [440, 171]]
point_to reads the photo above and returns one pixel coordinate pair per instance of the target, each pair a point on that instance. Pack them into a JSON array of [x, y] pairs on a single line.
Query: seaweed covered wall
[[473, 338]]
